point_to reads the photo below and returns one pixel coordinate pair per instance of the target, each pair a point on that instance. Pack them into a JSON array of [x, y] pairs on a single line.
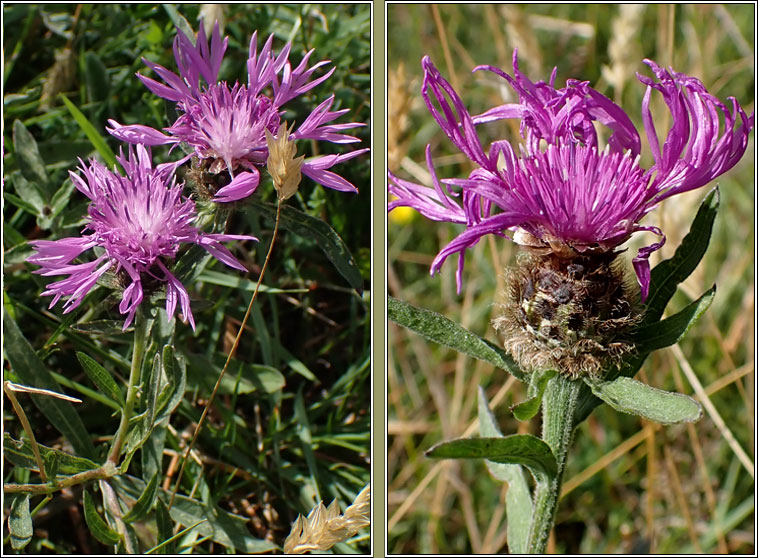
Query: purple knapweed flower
[[139, 222], [226, 126], [561, 191]]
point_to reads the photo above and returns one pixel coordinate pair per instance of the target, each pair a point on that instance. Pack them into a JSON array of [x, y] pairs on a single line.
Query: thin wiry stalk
[[229, 356]]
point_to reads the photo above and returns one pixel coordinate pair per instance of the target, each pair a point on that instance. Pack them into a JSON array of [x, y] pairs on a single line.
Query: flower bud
[[575, 315], [282, 164]]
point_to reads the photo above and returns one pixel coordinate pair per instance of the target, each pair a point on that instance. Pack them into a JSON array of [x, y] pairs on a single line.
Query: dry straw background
[[630, 486]]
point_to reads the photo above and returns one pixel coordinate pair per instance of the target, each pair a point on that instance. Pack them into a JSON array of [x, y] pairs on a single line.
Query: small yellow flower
[[282, 164]]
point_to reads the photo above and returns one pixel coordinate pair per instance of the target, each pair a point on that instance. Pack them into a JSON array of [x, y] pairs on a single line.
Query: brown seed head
[[574, 315]]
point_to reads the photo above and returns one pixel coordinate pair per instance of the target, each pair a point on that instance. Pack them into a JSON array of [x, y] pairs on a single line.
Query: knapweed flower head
[[561, 191], [136, 226], [226, 125], [570, 202]]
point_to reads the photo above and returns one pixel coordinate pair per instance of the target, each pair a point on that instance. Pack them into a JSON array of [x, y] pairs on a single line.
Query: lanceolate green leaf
[[176, 375], [180, 21], [20, 521], [666, 276], [165, 529], [29, 197], [669, 331], [101, 378], [441, 330], [97, 525], [521, 449], [31, 371], [145, 502], [30, 162], [221, 526], [19, 452], [92, 134], [518, 500], [51, 463], [537, 384], [631, 396], [317, 230], [151, 394]]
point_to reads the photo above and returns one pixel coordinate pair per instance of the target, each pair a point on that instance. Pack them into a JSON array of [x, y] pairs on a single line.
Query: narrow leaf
[[176, 375], [151, 397], [227, 529], [92, 134], [19, 452], [20, 521], [518, 500], [165, 530], [95, 77], [31, 371], [631, 396], [311, 228], [180, 22], [237, 282], [255, 377], [664, 280], [521, 449], [30, 161], [61, 197], [102, 327], [537, 384], [304, 433], [29, 196], [101, 378], [144, 503], [666, 276], [440, 329], [97, 525], [669, 331]]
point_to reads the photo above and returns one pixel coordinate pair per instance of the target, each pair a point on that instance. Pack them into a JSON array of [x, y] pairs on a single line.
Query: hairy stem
[[105, 472], [558, 405], [229, 356], [140, 331], [110, 502]]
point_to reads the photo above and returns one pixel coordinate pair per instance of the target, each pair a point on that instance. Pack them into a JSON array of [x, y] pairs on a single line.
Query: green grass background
[[636, 488], [261, 457]]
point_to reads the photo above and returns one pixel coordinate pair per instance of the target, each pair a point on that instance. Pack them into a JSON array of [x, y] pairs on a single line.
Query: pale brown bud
[[282, 164]]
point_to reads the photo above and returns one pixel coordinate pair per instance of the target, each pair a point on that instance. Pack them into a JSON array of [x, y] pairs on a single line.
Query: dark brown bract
[[574, 315]]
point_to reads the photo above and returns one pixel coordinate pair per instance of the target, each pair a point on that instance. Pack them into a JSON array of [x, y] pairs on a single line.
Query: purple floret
[[561, 189], [139, 222], [226, 125]]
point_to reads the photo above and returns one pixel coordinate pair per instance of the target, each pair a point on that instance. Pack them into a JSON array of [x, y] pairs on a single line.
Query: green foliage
[[97, 525], [304, 353], [631, 396], [518, 499], [537, 384], [446, 332], [430, 393], [521, 449], [20, 521], [19, 452]]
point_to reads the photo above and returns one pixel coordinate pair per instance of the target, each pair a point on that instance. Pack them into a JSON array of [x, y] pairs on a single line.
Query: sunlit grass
[[629, 486]]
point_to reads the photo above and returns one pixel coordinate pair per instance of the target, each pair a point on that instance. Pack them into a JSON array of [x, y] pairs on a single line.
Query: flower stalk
[[558, 406], [229, 356], [140, 332]]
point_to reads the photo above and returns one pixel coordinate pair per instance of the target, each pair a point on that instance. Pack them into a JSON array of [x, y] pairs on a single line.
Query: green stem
[[105, 472], [558, 405], [140, 331]]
